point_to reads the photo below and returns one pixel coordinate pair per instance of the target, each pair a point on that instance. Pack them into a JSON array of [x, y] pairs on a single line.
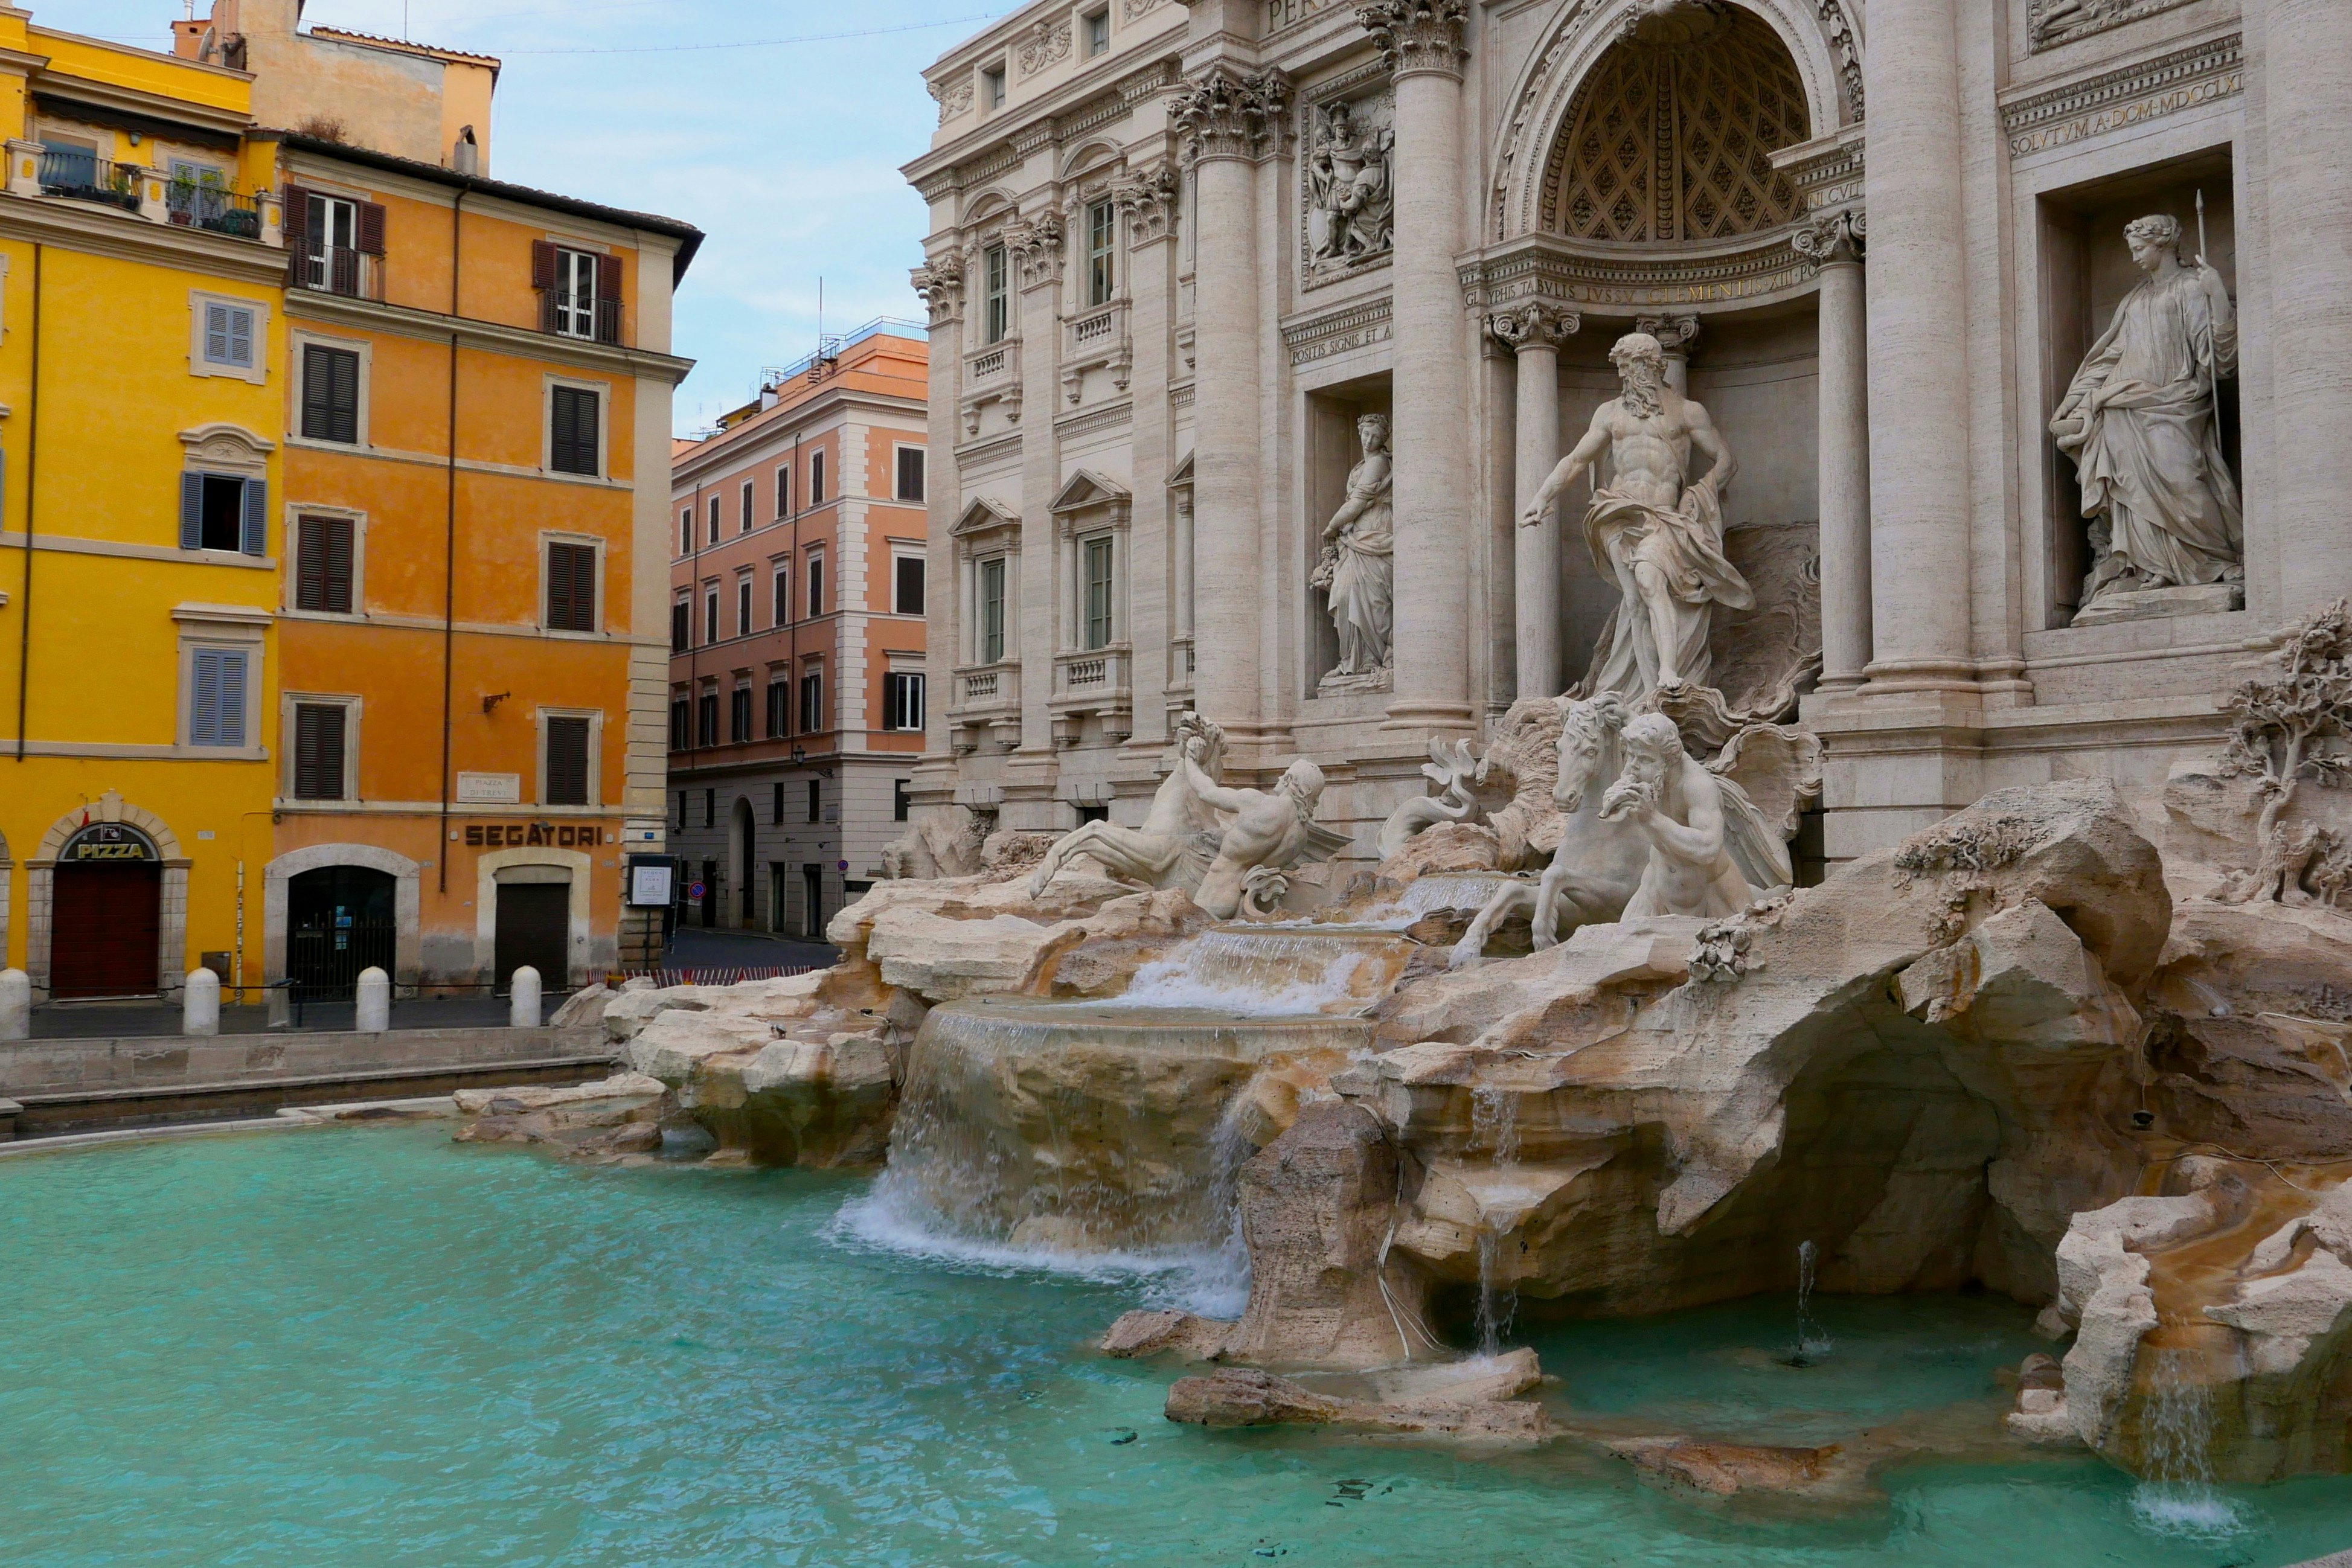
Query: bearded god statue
[[1653, 530], [2141, 423]]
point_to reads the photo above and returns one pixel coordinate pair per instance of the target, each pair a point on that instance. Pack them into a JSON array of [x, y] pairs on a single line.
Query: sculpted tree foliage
[[2290, 726]]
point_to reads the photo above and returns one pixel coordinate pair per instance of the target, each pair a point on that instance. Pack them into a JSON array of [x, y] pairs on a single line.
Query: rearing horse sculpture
[[1177, 839], [1599, 864]]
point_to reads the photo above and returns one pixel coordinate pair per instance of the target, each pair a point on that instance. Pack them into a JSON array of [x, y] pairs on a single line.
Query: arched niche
[[1819, 39]]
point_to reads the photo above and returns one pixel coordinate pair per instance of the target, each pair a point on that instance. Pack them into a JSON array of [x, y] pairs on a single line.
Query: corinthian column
[[1834, 244], [1534, 331], [2306, 71], [1918, 313], [1430, 388], [1226, 119]]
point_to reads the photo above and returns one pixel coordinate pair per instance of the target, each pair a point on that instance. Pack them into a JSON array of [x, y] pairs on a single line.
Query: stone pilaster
[[2306, 68], [939, 282], [1227, 119], [1429, 391], [1147, 204], [1918, 315], [1534, 330], [1834, 243], [1034, 245]]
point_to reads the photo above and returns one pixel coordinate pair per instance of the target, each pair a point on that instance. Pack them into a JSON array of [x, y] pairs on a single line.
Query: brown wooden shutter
[[572, 587], [319, 751], [296, 219], [311, 564], [608, 298], [542, 264], [371, 228], [337, 566], [567, 762]]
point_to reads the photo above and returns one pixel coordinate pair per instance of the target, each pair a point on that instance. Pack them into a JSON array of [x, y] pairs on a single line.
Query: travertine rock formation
[[612, 1117]]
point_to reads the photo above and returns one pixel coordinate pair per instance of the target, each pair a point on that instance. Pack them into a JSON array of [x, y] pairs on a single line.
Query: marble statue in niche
[[1653, 530], [2141, 424], [1357, 568], [1351, 197]]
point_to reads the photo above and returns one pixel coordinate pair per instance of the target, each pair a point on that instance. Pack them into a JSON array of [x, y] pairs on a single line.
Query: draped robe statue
[[2140, 424], [1357, 566], [1653, 530]]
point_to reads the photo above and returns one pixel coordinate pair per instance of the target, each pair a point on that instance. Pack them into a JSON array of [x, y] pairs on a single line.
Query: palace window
[[995, 295], [571, 587], [224, 512], [574, 442], [219, 692], [320, 732], [780, 710], [1098, 561], [706, 719], [743, 605], [816, 478], [811, 702], [991, 618], [566, 770], [1102, 244], [992, 88], [330, 395], [578, 292], [739, 715], [681, 725], [749, 492], [902, 700], [1097, 27], [911, 472], [907, 585]]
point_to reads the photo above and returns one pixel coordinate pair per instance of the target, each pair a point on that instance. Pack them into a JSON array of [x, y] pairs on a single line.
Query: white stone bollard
[[200, 1003], [16, 1005], [524, 985], [376, 1002]]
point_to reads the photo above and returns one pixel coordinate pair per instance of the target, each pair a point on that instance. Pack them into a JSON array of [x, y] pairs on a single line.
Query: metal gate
[[323, 964]]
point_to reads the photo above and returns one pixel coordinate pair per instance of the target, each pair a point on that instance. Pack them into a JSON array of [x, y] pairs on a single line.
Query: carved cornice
[[1541, 267], [1534, 323], [2054, 22], [1834, 239], [975, 162], [952, 95], [1338, 331], [2130, 95], [1419, 37], [1229, 113], [1827, 170], [1148, 200]]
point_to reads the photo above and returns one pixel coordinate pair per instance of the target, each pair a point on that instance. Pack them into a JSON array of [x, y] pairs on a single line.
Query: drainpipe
[[450, 541], [32, 477]]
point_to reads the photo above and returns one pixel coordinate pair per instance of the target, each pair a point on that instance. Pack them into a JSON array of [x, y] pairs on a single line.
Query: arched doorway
[[106, 914], [339, 921], [533, 925]]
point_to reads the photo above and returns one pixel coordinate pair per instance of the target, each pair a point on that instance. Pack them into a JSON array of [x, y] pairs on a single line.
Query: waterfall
[[1436, 893], [1812, 1340], [1495, 1123], [2177, 1495], [1284, 972]]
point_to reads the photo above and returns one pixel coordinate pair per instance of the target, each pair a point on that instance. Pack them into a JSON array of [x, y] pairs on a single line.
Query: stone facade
[[1167, 279]]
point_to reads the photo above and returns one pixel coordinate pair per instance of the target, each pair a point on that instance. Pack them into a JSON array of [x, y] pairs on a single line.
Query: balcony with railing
[[589, 318], [150, 195], [1093, 681], [339, 269], [1095, 339], [985, 699]]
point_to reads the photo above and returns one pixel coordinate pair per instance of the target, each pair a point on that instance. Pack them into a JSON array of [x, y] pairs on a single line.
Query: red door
[[105, 924]]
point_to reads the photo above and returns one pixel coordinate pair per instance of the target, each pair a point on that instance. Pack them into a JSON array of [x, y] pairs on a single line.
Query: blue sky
[[786, 155]]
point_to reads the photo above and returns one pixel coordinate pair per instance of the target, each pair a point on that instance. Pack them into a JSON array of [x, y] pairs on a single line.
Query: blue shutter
[[204, 706], [256, 518], [191, 511]]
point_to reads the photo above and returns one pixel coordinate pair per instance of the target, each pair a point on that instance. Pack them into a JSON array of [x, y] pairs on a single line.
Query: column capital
[[1147, 198], [1226, 112], [1834, 239], [1419, 37], [1675, 334], [1533, 324], [941, 283], [1036, 244]]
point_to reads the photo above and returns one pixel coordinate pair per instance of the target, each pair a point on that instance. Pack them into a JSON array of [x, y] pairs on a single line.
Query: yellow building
[[142, 417]]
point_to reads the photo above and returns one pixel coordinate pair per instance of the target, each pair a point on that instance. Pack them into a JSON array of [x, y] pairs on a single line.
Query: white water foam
[[1249, 975], [1210, 1281], [2178, 1497]]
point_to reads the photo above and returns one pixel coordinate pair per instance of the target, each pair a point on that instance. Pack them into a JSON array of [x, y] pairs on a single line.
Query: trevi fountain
[[1696, 916]]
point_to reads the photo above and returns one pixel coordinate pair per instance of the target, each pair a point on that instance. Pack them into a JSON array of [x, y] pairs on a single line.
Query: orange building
[[472, 664], [797, 540]]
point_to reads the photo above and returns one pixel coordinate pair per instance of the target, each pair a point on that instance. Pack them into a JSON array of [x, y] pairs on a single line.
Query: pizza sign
[[101, 842]]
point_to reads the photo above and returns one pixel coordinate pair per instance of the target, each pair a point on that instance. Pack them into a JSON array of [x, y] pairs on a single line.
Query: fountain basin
[[1085, 1126], [1274, 971]]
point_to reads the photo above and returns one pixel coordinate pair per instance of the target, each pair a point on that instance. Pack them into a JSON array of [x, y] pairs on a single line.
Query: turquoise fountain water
[[371, 1348]]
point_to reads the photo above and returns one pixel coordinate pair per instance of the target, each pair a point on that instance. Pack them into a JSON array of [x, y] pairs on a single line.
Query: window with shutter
[[911, 472], [816, 585], [815, 801], [681, 630], [330, 395], [253, 520], [812, 704], [216, 703], [908, 597], [902, 700], [322, 565], [739, 715], [319, 729], [743, 605], [749, 492], [681, 716], [228, 334], [572, 444], [571, 588], [784, 491], [706, 719], [224, 512], [783, 592], [780, 710], [816, 478], [567, 762]]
